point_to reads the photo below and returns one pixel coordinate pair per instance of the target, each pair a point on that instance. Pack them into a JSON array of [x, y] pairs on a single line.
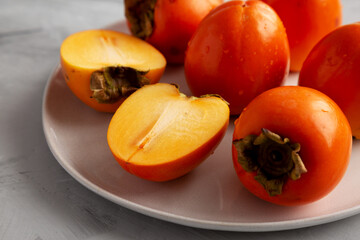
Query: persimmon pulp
[[159, 134], [86, 52]]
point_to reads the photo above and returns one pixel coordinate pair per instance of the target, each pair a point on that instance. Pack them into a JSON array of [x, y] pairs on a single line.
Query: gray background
[[38, 199]]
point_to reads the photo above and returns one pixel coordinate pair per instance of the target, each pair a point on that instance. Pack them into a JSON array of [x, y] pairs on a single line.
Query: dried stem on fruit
[[113, 83], [273, 158], [140, 14]]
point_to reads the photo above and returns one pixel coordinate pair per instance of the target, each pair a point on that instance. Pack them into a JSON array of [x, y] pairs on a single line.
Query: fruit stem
[[274, 159], [140, 14], [113, 83], [215, 95]]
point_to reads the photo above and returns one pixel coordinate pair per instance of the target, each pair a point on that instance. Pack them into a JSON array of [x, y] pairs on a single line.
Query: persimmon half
[[167, 24], [238, 51], [306, 22], [332, 67], [160, 134], [292, 145], [102, 67]]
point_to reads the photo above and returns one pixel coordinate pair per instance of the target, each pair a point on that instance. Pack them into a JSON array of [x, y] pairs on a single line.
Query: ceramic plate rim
[[182, 220]]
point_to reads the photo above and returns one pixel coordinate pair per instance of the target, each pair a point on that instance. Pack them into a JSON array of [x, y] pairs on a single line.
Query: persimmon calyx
[[202, 96], [205, 96], [215, 95], [140, 14], [275, 159], [113, 83]]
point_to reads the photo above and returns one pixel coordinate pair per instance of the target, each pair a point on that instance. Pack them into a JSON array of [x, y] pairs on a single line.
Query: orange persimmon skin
[[306, 22], [78, 80], [310, 118], [238, 51], [77, 75], [332, 67], [175, 22], [82, 77]]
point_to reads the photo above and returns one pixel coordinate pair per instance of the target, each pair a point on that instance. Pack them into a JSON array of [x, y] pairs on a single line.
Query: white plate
[[210, 197]]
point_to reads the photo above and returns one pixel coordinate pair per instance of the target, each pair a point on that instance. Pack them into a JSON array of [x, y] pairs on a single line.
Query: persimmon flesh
[[159, 134], [90, 51]]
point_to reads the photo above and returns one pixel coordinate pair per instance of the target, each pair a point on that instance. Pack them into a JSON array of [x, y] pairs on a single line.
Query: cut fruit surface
[[160, 134], [86, 52]]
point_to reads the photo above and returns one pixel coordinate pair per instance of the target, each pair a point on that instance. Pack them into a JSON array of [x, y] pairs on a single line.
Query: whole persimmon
[[306, 22], [103, 67], [291, 145], [238, 51], [333, 67], [160, 134], [167, 24]]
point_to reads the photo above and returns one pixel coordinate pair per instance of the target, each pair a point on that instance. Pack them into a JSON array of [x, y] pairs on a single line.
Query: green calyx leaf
[[140, 14], [275, 159], [113, 83], [215, 95]]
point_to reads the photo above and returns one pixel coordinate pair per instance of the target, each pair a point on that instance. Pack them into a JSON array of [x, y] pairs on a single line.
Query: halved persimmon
[[102, 67], [160, 134]]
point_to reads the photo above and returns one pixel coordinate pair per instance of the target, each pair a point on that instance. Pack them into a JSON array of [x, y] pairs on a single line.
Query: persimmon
[[332, 67], [238, 51], [167, 24], [291, 145], [160, 134], [102, 67], [306, 22]]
